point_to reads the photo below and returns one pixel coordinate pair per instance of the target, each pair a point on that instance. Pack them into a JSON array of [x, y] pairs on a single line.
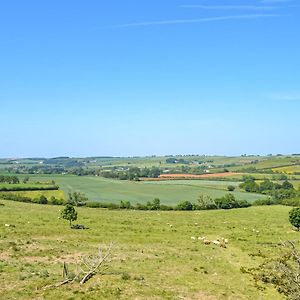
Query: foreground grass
[[151, 259]]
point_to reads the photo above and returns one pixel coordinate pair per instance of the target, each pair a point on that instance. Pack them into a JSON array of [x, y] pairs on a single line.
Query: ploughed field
[[156, 255], [169, 192]]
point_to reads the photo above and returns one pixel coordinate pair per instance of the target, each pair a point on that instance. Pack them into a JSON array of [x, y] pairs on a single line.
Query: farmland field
[[159, 261], [169, 192], [59, 194], [288, 170]]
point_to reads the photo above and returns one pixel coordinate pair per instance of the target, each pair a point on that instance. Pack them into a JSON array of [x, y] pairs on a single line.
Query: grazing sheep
[[216, 242], [193, 238], [223, 245], [9, 225], [206, 242], [201, 238], [224, 241]]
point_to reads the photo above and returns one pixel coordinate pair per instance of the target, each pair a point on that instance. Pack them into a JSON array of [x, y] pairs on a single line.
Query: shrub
[[291, 202], [267, 201], [166, 207], [185, 205], [55, 201], [94, 204], [154, 205], [140, 206], [125, 205], [294, 217], [243, 203], [42, 200], [231, 188], [227, 202], [205, 202], [113, 206]]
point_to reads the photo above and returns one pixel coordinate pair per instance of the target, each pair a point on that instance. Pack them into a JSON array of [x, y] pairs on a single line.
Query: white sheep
[[216, 242], [206, 242]]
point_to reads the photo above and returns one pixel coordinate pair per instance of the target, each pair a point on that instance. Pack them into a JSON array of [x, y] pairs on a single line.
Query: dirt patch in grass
[[4, 256]]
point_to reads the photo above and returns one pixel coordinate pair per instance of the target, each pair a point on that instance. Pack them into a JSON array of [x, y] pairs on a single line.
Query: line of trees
[[278, 191], [9, 179]]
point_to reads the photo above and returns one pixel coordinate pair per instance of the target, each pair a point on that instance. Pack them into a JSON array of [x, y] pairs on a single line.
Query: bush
[[125, 205], [205, 202], [166, 207], [268, 201], [291, 202], [294, 217], [140, 206], [243, 204], [42, 200], [231, 188], [55, 201], [227, 202], [113, 206], [154, 205], [185, 205], [16, 197]]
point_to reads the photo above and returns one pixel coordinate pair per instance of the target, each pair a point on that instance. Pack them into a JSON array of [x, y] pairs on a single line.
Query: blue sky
[[123, 78]]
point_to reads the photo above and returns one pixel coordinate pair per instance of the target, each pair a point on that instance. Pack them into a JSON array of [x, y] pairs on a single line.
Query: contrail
[[192, 21], [229, 7]]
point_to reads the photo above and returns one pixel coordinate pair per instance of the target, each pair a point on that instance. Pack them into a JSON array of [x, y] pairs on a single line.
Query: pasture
[[169, 192], [288, 170], [150, 259], [58, 194]]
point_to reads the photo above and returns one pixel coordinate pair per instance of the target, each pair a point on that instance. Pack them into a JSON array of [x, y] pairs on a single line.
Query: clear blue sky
[[132, 77]]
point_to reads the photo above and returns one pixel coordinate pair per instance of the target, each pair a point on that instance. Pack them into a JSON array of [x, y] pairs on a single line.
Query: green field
[[169, 192], [58, 194], [288, 170], [160, 262]]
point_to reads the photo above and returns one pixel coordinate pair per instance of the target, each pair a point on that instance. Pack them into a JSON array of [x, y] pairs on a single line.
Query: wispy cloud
[[193, 21], [294, 96], [229, 7]]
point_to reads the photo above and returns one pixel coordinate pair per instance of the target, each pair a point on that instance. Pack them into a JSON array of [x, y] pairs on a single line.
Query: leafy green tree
[[294, 217], [266, 185], [250, 186], [77, 199], [125, 204], [227, 202], [287, 185], [154, 205], [205, 202], [69, 213]]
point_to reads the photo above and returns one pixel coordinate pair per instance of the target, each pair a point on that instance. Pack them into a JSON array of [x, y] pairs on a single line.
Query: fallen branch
[[92, 263], [57, 284], [102, 259]]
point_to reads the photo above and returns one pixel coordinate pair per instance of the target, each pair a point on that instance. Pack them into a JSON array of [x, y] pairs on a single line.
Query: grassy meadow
[[169, 192], [151, 259]]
